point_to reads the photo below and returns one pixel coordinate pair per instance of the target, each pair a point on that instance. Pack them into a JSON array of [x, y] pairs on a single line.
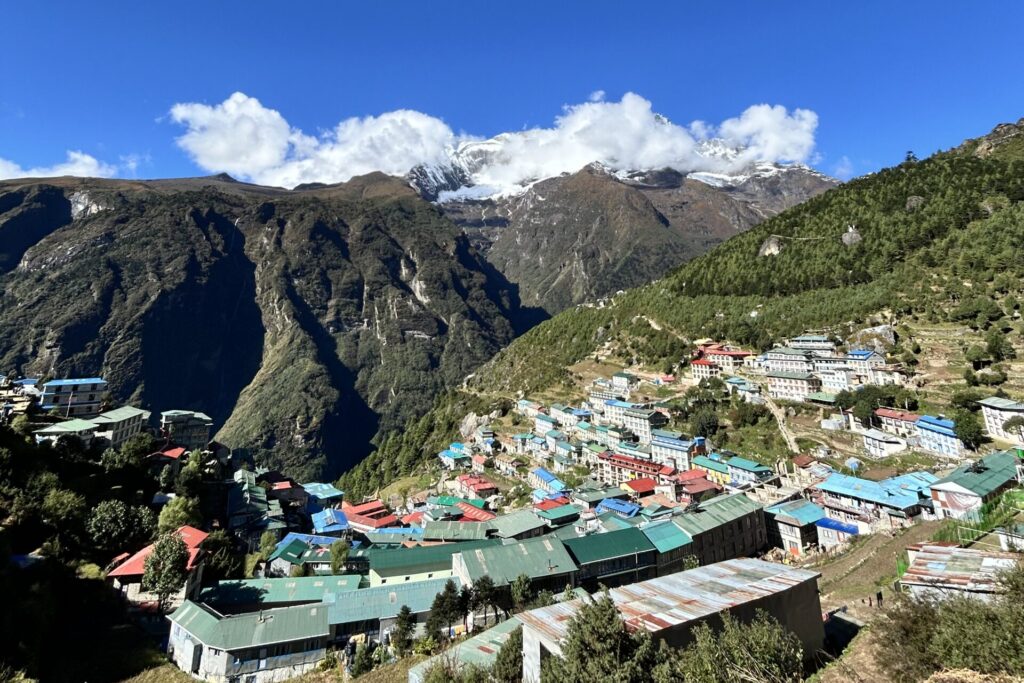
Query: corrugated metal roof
[[254, 629], [455, 531], [606, 546], [275, 591], [480, 650], [537, 558], [666, 536], [798, 512], [962, 569], [989, 474], [679, 598], [383, 602], [715, 512], [516, 523], [420, 559]]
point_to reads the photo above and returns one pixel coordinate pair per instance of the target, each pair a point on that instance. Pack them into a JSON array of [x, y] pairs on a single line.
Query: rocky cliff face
[[303, 322], [582, 236]]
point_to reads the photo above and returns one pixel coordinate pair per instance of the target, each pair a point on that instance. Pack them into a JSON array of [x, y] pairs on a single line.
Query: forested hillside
[[937, 239]]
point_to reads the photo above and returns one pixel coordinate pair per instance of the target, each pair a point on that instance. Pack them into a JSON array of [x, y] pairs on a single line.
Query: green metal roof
[[790, 375], [383, 602], [536, 558], [455, 531], [515, 523], [562, 513], [122, 413], [747, 465], [450, 501], [714, 513], [821, 397], [705, 462], [253, 629], [597, 495], [666, 536], [291, 552], [609, 545], [68, 426], [276, 591], [985, 476], [428, 558]]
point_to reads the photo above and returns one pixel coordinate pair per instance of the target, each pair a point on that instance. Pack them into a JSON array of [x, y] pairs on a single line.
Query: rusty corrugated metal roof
[[680, 598]]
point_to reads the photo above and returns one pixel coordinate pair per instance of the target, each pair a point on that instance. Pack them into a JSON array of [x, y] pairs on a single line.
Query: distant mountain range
[[311, 323]]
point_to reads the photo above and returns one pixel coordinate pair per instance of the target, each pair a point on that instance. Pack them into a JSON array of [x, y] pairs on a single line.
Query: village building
[[168, 456], [940, 571], [506, 464], [562, 415], [725, 527], [540, 478], [673, 449], [479, 651], [996, 412], [83, 430], [251, 512], [544, 561], [743, 472], [890, 503], [728, 358], [669, 607], [643, 421], [713, 467], [519, 525], [962, 493], [369, 516], [792, 525], [672, 543], [817, 343], [792, 386], [330, 522], [475, 486], [422, 563], [834, 534], [615, 411], [612, 558], [590, 498], [785, 359], [454, 460], [118, 425], [689, 486], [479, 462], [126, 574], [266, 646], [702, 369], [73, 397], [616, 468], [881, 444], [898, 422], [938, 435], [639, 488], [837, 379], [320, 495], [187, 428], [624, 382], [745, 389], [863, 361], [542, 423], [527, 408]]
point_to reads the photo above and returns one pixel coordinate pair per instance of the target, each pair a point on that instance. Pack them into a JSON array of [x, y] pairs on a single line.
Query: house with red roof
[[898, 422], [126, 574], [691, 486], [640, 487], [471, 513], [369, 516], [728, 358], [475, 486], [617, 468], [702, 368], [170, 455]]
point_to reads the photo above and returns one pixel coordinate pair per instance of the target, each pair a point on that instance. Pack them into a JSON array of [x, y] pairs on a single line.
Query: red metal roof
[[413, 518], [641, 485], [373, 508], [169, 452], [136, 564], [896, 414], [471, 513], [803, 460], [702, 361]]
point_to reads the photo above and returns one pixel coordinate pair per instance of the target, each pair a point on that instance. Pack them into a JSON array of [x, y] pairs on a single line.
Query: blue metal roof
[[619, 404], [836, 525], [860, 353], [620, 507], [803, 511], [308, 539], [543, 474], [900, 492], [322, 491], [329, 520], [937, 424], [66, 382]]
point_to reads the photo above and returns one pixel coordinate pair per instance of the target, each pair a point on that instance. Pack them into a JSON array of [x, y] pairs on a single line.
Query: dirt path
[[867, 569], [780, 417]]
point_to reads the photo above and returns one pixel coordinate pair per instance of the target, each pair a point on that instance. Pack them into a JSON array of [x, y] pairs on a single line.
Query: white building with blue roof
[[73, 397], [871, 505], [938, 435]]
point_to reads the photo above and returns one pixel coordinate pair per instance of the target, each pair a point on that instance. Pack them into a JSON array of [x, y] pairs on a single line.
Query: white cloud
[[76, 164], [843, 168], [242, 137], [597, 96]]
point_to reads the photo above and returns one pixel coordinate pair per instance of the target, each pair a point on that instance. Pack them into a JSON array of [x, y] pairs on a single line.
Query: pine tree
[[402, 633], [520, 591], [362, 663], [486, 594], [339, 556], [166, 568], [508, 665]]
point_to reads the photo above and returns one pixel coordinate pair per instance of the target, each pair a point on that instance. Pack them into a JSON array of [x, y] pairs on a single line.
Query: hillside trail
[[780, 417]]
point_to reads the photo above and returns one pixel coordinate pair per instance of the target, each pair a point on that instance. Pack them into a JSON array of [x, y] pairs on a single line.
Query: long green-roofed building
[[544, 560]]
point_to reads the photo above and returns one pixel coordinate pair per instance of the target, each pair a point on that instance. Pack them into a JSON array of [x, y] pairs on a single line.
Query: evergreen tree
[[520, 591], [508, 665], [339, 556], [759, 651], [486, 594], [166, 568], [405, 625], [1015, 424], [268, 544], [362, 663], [111, 525], [223, 561], [968, 429]]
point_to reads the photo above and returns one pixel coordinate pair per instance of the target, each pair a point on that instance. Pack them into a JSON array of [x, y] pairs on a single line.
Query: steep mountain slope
[[937, 239], [303, 321], [582, 236]]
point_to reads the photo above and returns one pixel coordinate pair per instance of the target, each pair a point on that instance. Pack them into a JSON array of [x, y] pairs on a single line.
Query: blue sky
[[101, 78]]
